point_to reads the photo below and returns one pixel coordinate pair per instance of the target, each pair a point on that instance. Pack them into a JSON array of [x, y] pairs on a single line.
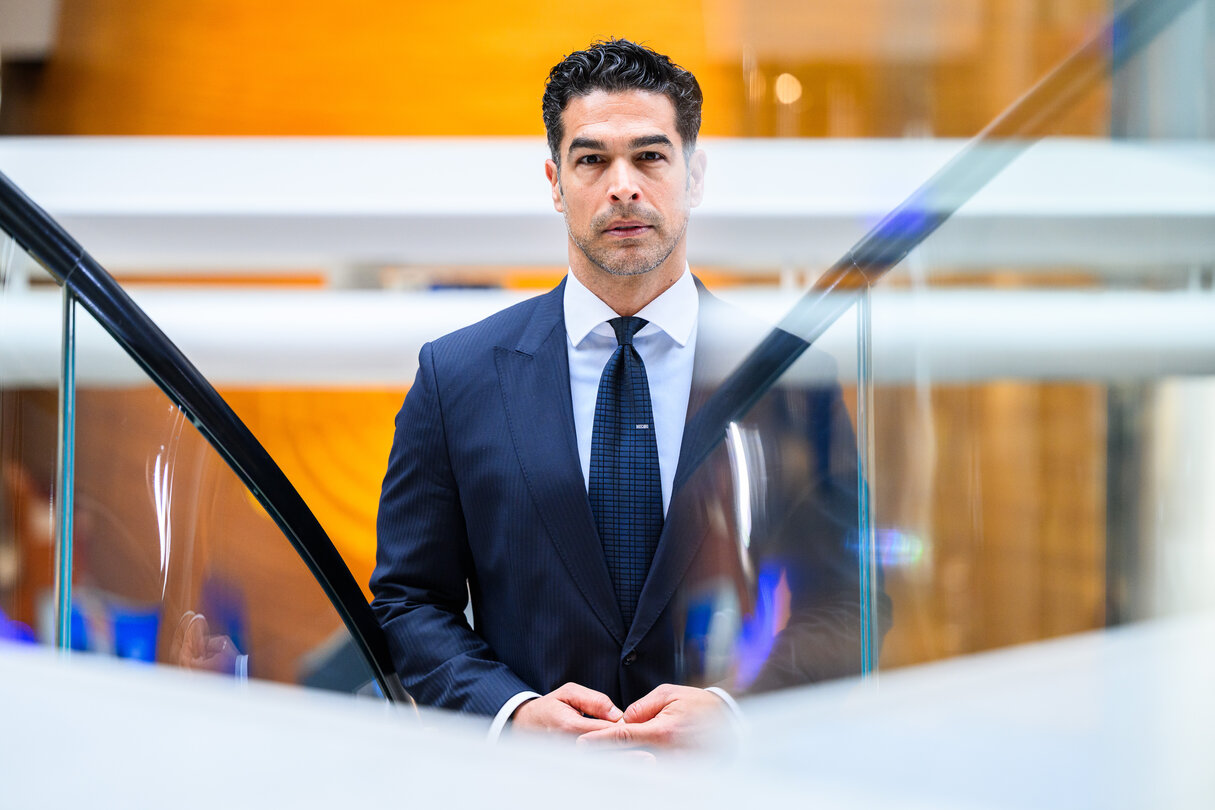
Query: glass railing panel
[[1037, 474], [175, 560], [777, 594], [30, 308], [128, 351], [1042, 444]]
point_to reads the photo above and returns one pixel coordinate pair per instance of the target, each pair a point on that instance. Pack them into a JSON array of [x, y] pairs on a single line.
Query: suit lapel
[[534, 376]]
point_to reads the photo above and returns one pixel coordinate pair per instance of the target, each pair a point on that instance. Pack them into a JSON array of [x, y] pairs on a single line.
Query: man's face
[[624, 186]]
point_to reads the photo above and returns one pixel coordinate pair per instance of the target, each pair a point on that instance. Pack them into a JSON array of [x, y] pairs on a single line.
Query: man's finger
[[625, 735], [618, 736], [648, 707], [552, 713], [589, 702], [588, 725]]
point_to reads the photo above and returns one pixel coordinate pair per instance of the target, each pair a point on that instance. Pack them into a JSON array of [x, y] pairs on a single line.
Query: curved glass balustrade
[[174, 560], [155, 531]]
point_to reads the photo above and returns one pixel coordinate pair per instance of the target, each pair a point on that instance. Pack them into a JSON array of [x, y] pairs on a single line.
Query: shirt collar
[[674, 311]]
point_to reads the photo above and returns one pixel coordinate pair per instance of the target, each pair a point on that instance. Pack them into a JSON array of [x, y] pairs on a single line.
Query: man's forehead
[[612, 115]]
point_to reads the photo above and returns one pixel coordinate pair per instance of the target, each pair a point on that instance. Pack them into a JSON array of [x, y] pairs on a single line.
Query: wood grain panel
[[377, 67], [366, 67], [1004, 485], [333, 445]]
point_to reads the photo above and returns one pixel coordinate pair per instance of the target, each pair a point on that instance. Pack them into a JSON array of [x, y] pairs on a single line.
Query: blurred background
[[301, 193]]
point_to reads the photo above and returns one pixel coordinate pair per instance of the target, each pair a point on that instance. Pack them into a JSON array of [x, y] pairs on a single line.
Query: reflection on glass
[[65, 484], [29, 373], [175, 562], [777, 595]]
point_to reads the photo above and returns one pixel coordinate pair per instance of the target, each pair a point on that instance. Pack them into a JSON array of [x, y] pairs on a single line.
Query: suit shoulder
[[507, 327]]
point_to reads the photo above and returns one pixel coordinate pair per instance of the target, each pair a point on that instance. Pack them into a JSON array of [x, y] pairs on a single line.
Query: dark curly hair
[[617, 65]]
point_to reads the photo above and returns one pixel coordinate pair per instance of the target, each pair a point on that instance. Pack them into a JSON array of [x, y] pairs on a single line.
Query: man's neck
[[628, 295]]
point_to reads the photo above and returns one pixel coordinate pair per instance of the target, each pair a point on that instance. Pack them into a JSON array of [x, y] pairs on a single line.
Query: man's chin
[[625, 271], [625, 266]]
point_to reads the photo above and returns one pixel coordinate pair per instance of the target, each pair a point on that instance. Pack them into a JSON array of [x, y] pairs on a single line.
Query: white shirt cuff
[[508, 708], [735, 711]]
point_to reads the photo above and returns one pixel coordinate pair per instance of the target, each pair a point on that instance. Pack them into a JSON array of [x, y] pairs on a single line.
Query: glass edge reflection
[[65, 463]]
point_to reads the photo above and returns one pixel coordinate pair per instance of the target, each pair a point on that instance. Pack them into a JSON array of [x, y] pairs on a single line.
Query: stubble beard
[[625, 260]]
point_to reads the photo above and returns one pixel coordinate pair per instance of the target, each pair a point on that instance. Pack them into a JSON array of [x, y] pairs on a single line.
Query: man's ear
[[696, 177], [554, 176]]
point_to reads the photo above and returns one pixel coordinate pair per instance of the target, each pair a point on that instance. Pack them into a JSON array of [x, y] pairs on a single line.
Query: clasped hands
[[670, 717]]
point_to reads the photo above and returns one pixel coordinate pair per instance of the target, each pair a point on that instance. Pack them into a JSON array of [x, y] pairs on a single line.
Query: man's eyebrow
[[651, 140], [587, 143]]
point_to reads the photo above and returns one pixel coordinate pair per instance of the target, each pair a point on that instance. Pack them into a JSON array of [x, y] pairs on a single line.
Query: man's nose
[[622, 183]]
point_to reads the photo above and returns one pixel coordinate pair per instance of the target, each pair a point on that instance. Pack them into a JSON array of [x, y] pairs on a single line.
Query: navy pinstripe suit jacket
[[484, 498]]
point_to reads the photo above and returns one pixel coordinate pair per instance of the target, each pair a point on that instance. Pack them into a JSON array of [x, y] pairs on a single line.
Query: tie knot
[[626, 328]]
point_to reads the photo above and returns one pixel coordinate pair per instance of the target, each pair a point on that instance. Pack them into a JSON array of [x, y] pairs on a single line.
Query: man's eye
[[651, 156], [586, 160]]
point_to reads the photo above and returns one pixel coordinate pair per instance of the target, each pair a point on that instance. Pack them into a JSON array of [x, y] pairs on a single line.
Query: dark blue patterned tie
[[625, 488]]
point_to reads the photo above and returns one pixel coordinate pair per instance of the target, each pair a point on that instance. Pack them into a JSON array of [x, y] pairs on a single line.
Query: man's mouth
[[627, 228]]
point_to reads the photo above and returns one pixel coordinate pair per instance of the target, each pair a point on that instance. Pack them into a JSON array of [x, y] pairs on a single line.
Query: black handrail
[[97, 291]]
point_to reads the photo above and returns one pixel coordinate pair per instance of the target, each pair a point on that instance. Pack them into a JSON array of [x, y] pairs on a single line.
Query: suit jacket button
[[629, 659]]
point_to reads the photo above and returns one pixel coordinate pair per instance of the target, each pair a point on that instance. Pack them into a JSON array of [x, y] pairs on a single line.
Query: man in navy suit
[[753, 581]]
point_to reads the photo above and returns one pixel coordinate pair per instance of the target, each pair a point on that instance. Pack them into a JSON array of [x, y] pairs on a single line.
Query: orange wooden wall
[[473, 67], [333, 446], [362, 67]]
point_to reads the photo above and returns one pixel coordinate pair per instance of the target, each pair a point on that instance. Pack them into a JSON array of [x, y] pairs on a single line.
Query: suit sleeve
[[423, 565]]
